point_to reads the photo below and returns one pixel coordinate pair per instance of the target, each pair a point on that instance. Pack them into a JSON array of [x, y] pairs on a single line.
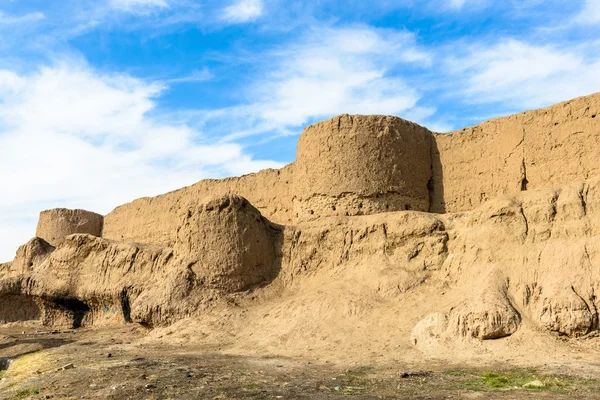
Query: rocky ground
[[117, 363]]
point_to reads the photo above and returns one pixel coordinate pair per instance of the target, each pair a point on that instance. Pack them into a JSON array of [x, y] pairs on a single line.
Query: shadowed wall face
[[18, 308]]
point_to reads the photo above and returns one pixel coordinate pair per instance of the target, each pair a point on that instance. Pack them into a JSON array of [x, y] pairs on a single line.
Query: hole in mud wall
[[4, 363], [77, 307], [125, 305], [146, 324], [16, 308]]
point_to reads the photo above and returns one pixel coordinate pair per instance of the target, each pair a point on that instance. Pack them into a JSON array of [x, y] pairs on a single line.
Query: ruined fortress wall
[[56, 224], [534, 149], [353, 165], [155, 219]]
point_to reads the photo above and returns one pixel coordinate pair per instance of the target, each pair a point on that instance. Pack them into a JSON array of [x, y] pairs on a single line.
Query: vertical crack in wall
[[593, 314], [583, 198], [430, 190], [125, 305], [524, 181], [430, 183], [592, 299], [526, 223]]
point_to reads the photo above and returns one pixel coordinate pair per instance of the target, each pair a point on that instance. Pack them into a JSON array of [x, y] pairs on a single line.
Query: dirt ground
[[114, 363]]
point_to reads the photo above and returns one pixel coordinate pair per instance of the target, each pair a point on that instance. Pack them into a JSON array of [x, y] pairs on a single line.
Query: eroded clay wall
[[534, 149], [154, 219]]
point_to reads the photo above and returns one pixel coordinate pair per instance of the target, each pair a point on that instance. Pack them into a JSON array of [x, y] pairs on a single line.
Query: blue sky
[[105, 101]]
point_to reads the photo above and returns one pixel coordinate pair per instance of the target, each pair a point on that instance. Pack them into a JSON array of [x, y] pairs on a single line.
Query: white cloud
[[243, 11], [23, 19], [525, 75], [457, 3], [196, 76], [329, 72], [71, 137], [138, 6], [590, 14], [435, 6]]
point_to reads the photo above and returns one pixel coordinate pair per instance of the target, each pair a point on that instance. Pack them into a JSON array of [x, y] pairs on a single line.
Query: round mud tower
[[230, 245], [56, 224], [355, 164]]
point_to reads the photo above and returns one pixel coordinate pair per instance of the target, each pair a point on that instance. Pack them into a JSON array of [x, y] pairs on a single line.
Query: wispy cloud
[[590, 14], [327, 72], [526, 75], [456, 3], [243, 11], [138, 6], [196, 76], [340, 70], [437, 6], [21, 19]]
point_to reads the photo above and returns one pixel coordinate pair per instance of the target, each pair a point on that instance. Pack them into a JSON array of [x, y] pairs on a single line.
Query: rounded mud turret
[[56, 224], [230, 245], [355, 164]]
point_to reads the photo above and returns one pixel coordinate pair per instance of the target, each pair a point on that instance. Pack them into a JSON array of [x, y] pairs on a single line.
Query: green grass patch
[[511, 379], [496, 380], [23, 394], [252, 386], [506, 380]]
